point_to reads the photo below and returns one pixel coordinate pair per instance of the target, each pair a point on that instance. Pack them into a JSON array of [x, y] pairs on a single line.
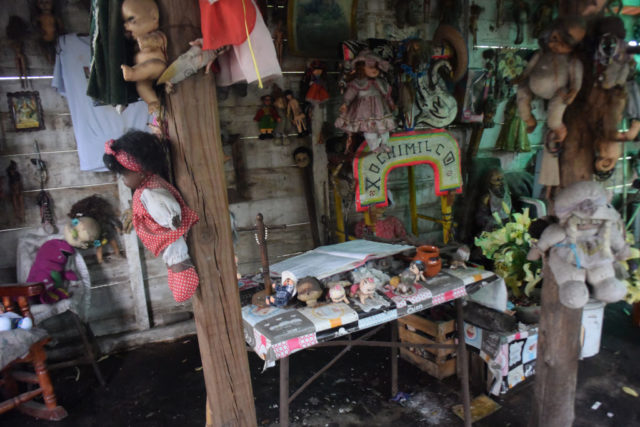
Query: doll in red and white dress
[[161, 218]]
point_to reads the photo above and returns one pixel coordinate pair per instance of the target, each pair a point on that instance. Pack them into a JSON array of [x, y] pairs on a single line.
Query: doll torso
[[588, 252], [369, 107], [152, 47], [551, 73], [154, 236]]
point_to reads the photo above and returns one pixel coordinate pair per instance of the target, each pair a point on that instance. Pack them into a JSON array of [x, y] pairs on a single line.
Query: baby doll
[[283, 292], [267, 116], [93, 223], [367, 104], [553, 73], [295, 114], [141, 20], [49, 269], [161, 218]]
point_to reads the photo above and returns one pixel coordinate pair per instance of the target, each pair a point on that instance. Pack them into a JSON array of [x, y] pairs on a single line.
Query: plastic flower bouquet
[[508, 246]]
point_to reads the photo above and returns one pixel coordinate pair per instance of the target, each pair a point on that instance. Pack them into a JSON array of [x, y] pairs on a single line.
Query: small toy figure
[[411, 275], [161, 218], [368, 104], [309, 290], [295, 114], [283, 292], [553, 73], [365, 289], [315, 83], [10, 320], [584, 245], [491, 202], [49, 268], [93, 224], [50, 27], [338, 294], [460, 258], [267, 117], [141, 21]]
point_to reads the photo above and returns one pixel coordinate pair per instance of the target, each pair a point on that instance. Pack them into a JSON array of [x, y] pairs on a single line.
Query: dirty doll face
[[140, 17]]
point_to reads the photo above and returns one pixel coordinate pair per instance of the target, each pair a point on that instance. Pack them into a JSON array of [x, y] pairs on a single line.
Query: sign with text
[[436, 148]]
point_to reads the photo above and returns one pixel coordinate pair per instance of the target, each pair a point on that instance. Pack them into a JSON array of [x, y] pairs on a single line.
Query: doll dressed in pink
[[160, 217], [368, 105]]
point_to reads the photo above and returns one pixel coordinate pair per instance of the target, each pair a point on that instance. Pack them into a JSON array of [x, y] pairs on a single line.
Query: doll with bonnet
[[161, 218], [368, 105]]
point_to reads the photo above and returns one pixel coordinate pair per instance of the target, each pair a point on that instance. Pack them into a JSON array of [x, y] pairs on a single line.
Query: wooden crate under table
[[437, 362]]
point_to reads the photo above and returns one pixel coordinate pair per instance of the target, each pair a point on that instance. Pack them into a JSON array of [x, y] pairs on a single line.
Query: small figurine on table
[[410, 276], [161, 217], [267, 117], [284, 291], [365, 289], [460, 258], [295, 114], [309, 290]]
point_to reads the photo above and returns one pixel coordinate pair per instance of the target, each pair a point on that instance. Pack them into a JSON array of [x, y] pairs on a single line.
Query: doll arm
[[551, 236], [576, 72], [619, 247], [162, 206], [527, 71]]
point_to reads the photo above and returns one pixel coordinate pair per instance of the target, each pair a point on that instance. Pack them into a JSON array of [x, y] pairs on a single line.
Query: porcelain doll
[[267, 117], [283, 291], [554, 73], [161, 218], [368, 106], [584, 245], [141, 21]]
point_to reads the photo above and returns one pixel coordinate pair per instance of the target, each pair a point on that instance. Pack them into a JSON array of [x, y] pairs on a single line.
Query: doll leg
[[373, 140], [114, 245], [183, 278], [605, 285], [524, 97], [99, 255], [572, 289]]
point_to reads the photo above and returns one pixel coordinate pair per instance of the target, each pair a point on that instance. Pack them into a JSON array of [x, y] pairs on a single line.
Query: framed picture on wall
[[26, 111], [317, 27]]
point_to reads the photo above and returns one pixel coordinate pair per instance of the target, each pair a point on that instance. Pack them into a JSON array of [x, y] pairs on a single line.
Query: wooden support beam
[[194, 130]]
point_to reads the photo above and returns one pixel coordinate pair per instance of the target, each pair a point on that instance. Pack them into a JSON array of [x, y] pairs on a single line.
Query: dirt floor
[[162, 385]]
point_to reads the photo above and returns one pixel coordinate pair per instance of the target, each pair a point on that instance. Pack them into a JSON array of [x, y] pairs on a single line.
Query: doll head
[[82, 232], [266, 99], [367, 64], [302, 157], [565, 34], [140, 17], [135, 155], [45, 6], [416, 267], [337, 293]]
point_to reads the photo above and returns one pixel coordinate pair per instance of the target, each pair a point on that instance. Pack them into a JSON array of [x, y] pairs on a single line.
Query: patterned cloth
[[183, 284], [125, 159], [386, 228], [154, 236]]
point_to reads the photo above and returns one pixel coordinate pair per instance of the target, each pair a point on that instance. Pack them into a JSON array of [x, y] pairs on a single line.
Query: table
[[276, 333]]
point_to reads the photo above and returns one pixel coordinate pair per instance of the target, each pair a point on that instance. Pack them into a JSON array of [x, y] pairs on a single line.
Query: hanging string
[[253, 56]]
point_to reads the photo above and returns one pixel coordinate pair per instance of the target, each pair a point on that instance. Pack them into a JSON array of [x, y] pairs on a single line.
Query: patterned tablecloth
[[274, 333]]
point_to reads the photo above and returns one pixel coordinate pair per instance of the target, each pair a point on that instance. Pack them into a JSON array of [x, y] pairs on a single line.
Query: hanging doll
[[93, 224], [295, 114], [315, 83], [16, 34], [267, 117], [15, 190], [141, 21], [367, 104], [50, 26], [553, 73], [161, 218], [49, 268]]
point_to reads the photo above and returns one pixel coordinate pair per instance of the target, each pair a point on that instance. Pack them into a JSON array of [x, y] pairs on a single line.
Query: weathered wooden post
[[194, 129]]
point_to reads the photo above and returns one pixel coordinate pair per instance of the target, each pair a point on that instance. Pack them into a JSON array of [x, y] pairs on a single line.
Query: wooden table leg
[[284, 391], [394, 359], [462, 359]]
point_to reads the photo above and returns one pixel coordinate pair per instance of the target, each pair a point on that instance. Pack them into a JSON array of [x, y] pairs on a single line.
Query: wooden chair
[[20, 349]]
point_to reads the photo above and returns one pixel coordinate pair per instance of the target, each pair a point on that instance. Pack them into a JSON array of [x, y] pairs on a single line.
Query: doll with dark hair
[[314, 84], [267, 117], [93, 222], [161, 218]]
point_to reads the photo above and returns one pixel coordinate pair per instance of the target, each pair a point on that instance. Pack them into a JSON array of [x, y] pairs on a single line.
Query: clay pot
[[430, 256]]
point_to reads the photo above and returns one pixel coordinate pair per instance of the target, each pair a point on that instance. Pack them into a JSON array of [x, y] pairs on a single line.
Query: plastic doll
[[315, 78], [283, 292], [367, 104], [555, 74], [141, 21], [267, 117], [161, 218], [295, 114]]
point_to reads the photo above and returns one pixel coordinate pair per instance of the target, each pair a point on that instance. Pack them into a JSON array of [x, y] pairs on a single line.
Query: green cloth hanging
[[109, 50], [513, 135]]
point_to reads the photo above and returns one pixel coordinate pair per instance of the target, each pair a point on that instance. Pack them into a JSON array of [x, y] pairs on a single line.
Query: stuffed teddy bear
[[584, 245], [11, 320], [49, 268]]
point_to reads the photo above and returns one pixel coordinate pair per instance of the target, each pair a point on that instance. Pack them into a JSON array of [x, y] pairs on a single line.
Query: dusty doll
[[141, 21], [161, 218], [295, 114], [267, 117], [554, 74], [367, 104], [284, 291]]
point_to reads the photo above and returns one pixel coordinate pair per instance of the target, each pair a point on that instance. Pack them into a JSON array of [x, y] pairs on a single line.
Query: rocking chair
[[21, 348]]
